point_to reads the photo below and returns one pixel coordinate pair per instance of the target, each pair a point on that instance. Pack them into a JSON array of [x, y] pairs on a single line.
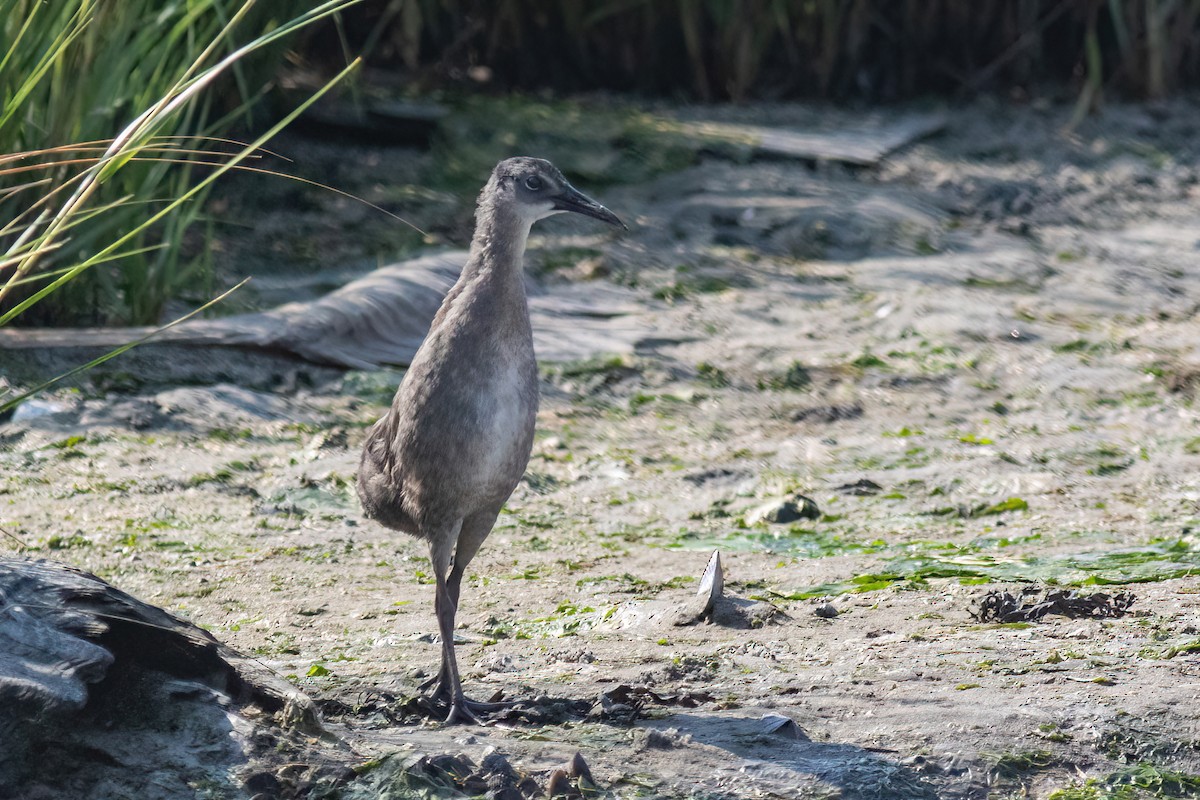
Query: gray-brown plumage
[[445, 458]]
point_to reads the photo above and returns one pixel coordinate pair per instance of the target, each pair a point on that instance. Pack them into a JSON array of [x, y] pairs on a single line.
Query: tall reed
[[740, 49], [76, 73], [60, 214]]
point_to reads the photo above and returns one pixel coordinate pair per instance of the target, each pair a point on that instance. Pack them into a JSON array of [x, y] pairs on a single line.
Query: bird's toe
[[461, 713], [464, 710]]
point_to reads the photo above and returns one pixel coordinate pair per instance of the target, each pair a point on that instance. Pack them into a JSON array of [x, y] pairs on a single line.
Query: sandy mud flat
[[978, 362]]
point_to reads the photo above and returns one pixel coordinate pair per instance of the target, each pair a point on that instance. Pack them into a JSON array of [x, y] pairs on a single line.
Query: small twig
[[21, 544]]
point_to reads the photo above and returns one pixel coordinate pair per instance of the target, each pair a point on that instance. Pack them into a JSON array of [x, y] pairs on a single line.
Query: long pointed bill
[[576, 201]]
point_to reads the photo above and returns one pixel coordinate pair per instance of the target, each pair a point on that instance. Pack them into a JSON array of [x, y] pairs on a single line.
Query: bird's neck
[[498, 246], [493, 274]]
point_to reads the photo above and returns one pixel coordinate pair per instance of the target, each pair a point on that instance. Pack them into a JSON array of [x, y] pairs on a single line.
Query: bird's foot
[[442, 692], [461, 713], [464, 710]]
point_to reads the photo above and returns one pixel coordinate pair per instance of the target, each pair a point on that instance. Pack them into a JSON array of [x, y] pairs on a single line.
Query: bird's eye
[[533, 183]]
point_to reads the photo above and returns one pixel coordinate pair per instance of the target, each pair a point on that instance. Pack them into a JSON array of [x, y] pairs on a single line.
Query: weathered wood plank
[[863, 147], [381, 318]]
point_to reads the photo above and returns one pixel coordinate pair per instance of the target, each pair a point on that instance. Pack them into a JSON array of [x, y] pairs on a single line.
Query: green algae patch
[[1134, 782], [1160, 561], [793, 540]]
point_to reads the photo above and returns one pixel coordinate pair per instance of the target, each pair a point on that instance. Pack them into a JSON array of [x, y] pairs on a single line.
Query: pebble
[[788, 509], [34, 408], [826, 611]]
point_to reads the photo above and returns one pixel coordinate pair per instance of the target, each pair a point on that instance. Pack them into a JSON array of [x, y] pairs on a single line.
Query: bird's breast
[[466, 417]]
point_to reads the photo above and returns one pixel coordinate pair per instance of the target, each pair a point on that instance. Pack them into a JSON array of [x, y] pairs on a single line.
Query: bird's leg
[[468, 536], [439, 683], [453, 586], [447, 684], [474, 530], [450, 682], [445, 606], [441, 545]]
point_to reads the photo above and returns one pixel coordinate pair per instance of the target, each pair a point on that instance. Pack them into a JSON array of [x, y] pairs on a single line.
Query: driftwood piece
[[859, 146], [103, 695], [63, 630], [381, 319]]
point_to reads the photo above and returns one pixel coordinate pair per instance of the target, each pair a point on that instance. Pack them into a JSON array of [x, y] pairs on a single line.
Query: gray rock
[[788, 509], [36, 407], [826, 611], [132, 698]]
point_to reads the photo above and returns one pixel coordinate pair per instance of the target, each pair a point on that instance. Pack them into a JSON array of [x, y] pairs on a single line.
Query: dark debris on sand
[[458, 775], [1000, 606], [622, 704]]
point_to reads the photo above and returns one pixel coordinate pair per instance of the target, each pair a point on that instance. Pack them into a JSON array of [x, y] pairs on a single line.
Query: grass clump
[[76, 73], [794, 378], [1136, 782], [98, 215]]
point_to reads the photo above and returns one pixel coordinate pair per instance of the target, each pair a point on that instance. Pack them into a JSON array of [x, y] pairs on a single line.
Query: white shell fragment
[[712, 582]]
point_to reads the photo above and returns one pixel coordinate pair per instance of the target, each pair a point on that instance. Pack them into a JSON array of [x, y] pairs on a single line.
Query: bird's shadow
[[774, 750], [770, 749]]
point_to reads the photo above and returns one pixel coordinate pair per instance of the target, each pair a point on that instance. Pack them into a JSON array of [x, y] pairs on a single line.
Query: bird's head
[[536, 189]]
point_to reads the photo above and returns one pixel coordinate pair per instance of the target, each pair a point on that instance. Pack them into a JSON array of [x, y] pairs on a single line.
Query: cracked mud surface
[[979, 361]]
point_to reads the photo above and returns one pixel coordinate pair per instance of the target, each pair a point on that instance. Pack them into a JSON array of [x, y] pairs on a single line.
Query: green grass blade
[[48, 60], [176, 203]]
